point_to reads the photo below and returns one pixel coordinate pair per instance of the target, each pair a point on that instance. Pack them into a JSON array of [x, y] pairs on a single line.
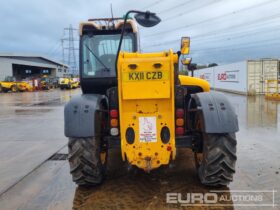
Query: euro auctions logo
[[192, 198], [219, 198], [222, 76], [228, 76]]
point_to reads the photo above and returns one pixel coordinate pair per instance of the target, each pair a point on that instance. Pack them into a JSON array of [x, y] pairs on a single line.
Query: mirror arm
[[179, 53], [121, 38]]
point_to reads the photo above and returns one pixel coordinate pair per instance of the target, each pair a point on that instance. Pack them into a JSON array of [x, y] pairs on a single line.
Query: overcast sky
[[221, 31]]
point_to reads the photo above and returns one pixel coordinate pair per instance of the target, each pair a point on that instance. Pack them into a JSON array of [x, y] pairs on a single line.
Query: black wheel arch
[[80, 115], [217, 113]]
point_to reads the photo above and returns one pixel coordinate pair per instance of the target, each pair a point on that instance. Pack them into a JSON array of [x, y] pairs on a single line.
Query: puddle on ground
[[256, 111], [54, 102], [31, 111]]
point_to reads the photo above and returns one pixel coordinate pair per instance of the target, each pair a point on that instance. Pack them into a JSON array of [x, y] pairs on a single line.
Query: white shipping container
[[246, 77]]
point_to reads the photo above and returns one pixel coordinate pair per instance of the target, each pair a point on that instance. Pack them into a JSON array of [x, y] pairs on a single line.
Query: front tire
[[14, 88], [85, 161], [216, 164]]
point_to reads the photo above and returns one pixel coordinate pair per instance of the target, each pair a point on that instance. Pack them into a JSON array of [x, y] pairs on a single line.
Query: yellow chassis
[[147, 104]]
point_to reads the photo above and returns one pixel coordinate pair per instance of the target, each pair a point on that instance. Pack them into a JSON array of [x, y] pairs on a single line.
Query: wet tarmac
[[31, 129], [32, 177]]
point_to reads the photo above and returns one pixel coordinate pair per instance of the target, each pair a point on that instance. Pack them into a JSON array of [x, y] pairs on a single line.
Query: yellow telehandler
[[68, 83], [137, 103], [10, 84]]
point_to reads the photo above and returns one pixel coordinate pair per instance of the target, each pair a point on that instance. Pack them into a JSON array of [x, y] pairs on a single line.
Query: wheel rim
[[103, 157], [13, 88], [198, 156]]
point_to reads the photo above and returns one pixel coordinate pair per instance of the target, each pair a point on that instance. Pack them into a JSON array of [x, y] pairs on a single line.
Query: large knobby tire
[[85, 161], [217, 164], [14, 88]]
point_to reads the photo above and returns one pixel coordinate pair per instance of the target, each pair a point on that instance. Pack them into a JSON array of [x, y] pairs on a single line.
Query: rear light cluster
[[113, 111], [179, 111], [179, 116], [114, 122]]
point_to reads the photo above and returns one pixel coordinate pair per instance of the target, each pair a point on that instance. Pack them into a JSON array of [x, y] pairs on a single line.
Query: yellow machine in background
[[48, 83], [68, 83], [272, 90], [10, 84]]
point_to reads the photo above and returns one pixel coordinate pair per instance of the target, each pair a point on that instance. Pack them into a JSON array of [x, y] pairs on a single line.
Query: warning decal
[[148, 129]]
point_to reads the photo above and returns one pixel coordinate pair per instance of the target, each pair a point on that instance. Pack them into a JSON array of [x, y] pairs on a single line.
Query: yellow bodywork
[[193, 81], [68, 83], [272, 91], [146, 104], [15, 86], [7, 85], [24, 86]]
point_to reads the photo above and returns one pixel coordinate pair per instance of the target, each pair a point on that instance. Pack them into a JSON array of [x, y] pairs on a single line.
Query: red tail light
[[168, 148], [114, 113], [179, 113], [179, 131]]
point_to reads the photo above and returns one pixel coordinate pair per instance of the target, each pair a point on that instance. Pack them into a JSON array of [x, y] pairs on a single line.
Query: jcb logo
[[135, 76]]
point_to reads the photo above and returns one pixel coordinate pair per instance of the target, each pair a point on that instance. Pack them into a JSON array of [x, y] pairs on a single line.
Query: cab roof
[[108, 24]]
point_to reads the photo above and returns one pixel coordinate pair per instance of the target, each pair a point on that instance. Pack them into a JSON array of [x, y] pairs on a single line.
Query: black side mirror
[[147, 19]]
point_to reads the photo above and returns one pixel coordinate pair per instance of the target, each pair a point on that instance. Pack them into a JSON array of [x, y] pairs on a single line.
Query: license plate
[[144, 76]]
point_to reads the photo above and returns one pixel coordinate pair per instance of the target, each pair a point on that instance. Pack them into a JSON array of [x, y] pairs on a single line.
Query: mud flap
[[218, 114], [79, 115]]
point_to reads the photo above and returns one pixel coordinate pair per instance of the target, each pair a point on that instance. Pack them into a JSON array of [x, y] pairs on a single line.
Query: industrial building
[[250, 77], [23, 66]]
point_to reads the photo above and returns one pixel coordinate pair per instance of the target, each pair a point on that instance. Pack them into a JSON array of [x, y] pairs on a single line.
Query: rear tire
[[1, 89], [217, 164], [14, 88], [85, 161]]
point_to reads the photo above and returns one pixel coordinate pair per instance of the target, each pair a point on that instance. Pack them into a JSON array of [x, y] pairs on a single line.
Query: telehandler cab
[[138, 103]]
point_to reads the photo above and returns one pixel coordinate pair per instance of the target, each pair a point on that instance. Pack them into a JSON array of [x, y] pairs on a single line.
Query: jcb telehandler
[[68, 83], [10, 84], [137, 102]]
